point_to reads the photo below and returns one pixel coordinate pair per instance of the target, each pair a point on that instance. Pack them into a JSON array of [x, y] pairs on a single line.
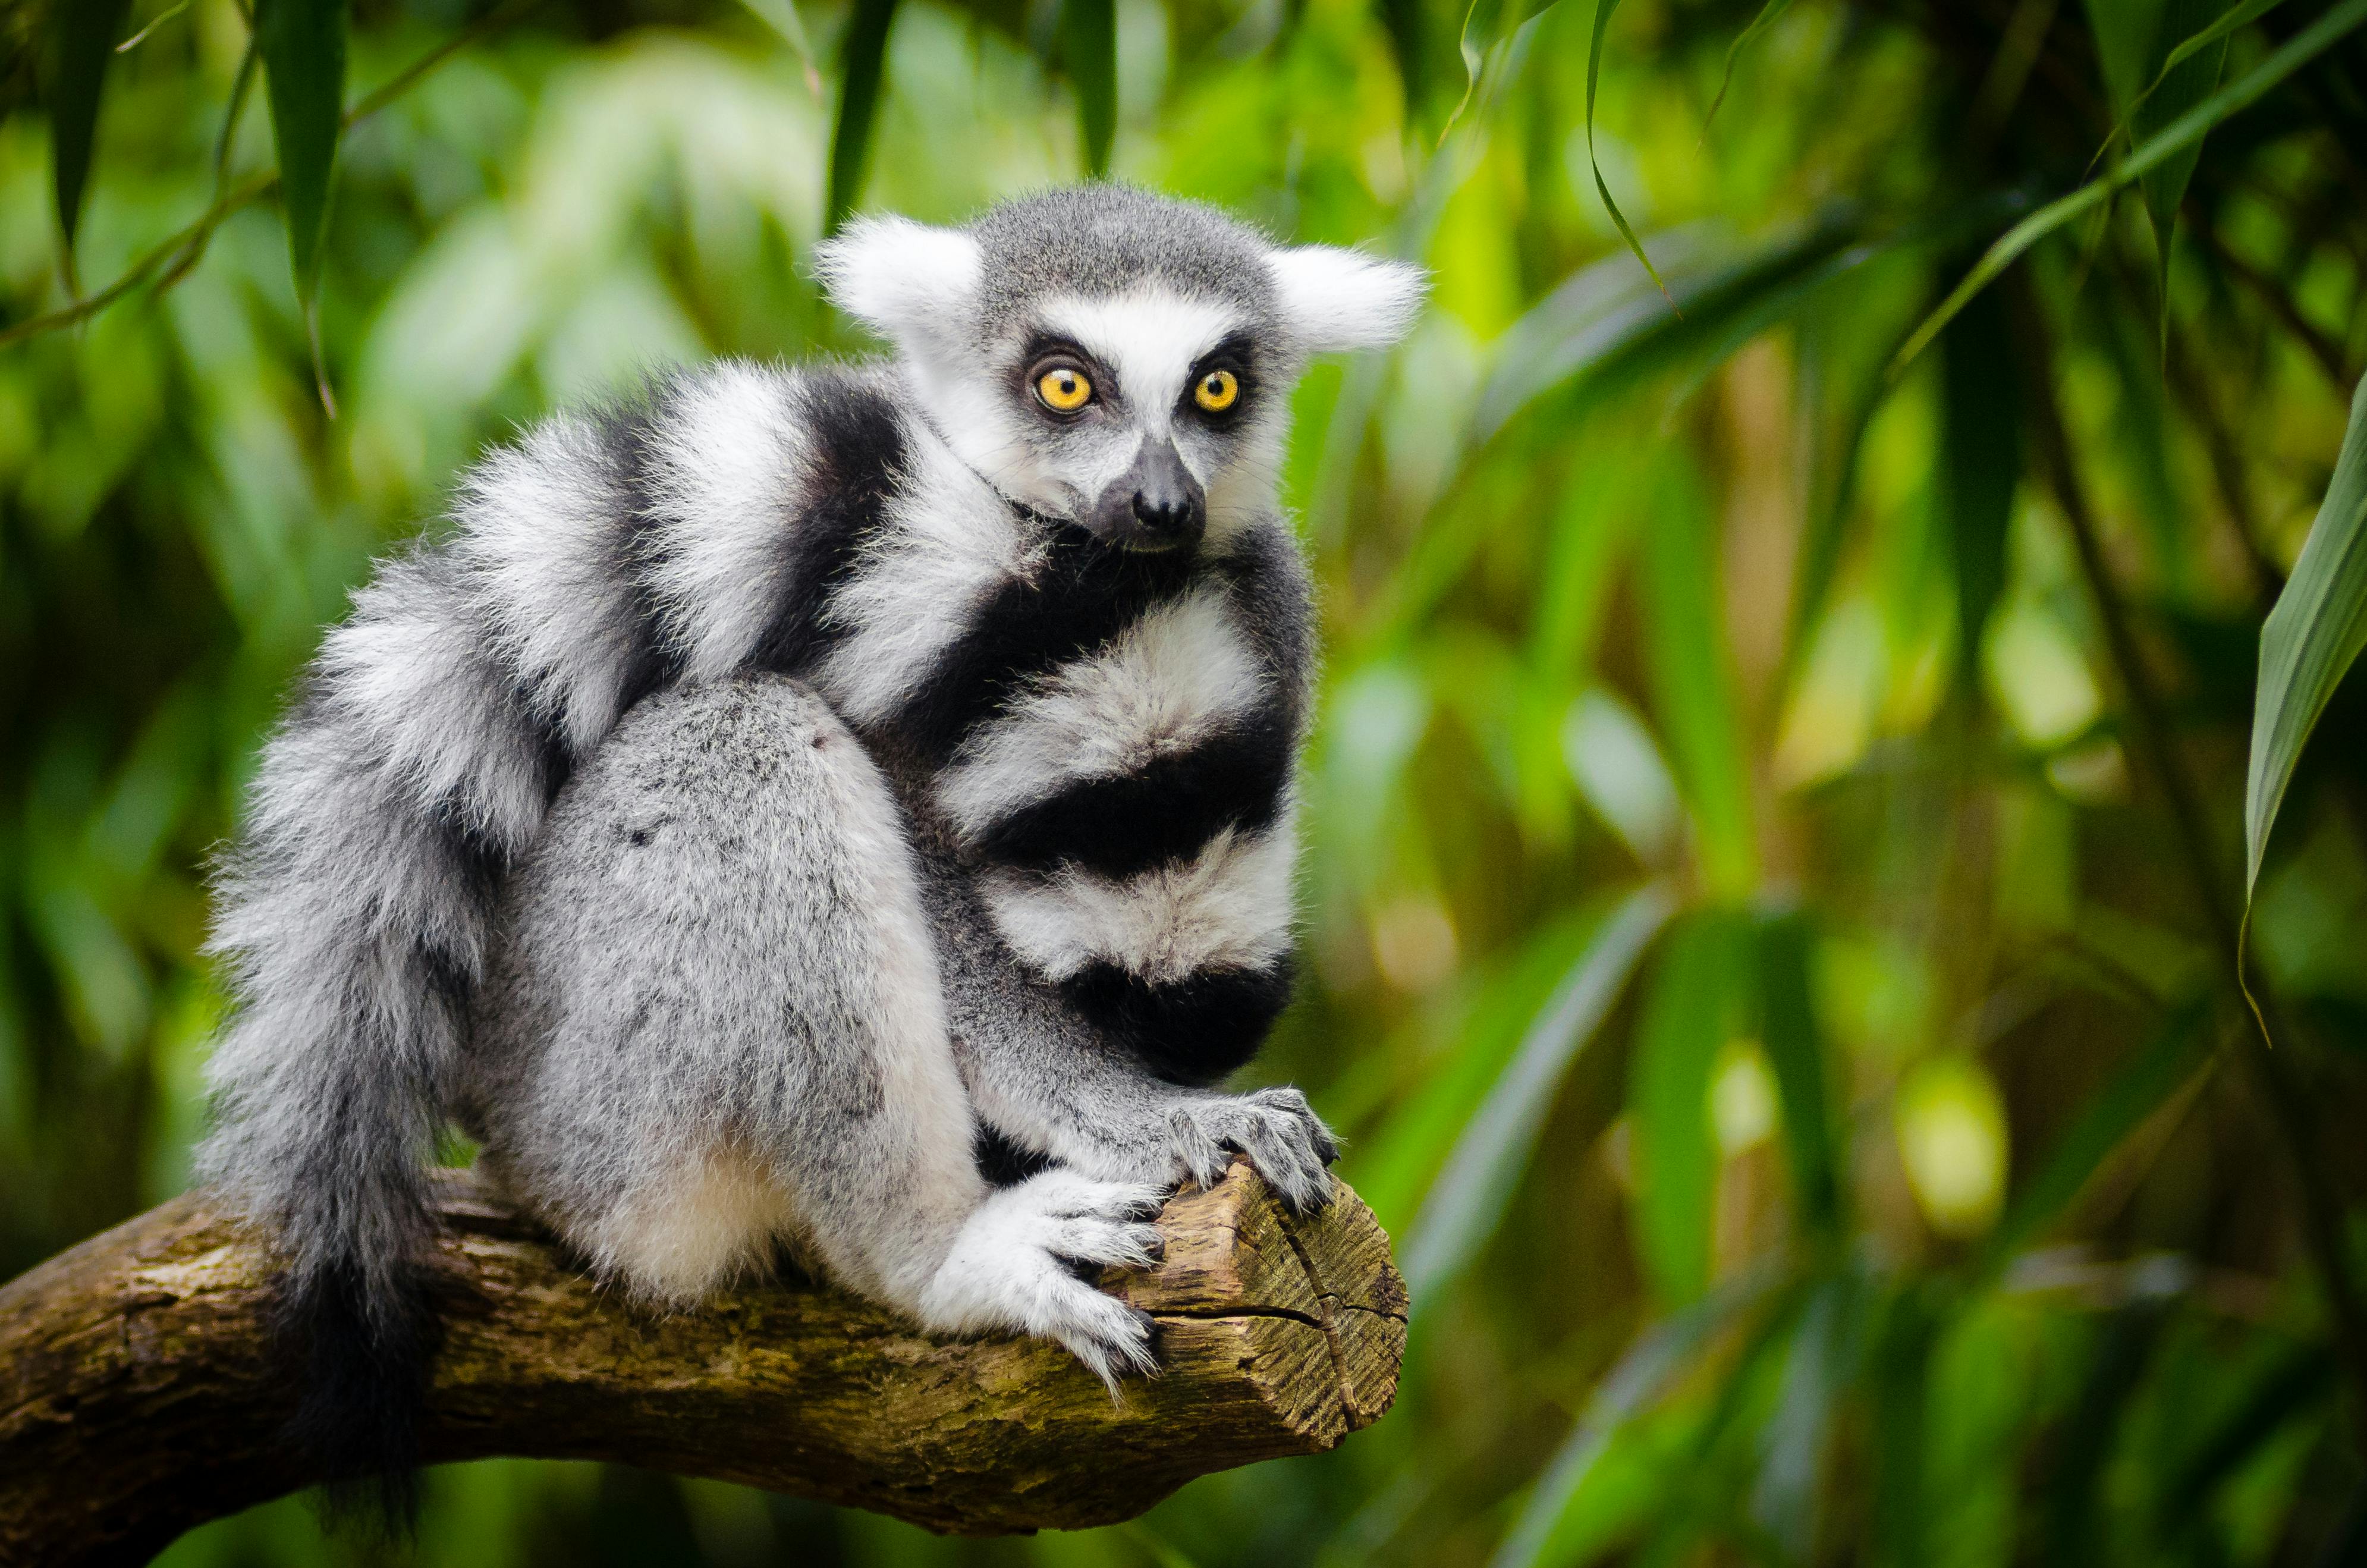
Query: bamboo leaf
[[1784, 1501], [2301, 1378], [1692, 1009], [781, 15], [1396, 1165], [2310, 639], [1767, 18], [2173, 91], [1980, 438], [1467, 1201], [1404, 21], [2213, 37], [1691, 686], [1089, 49], [303, 43], [1485, 25], [1794, 1041], [862, 65], [1602, 329], [1602, 9], [2154, 150], [1899, 1370], [1656, 1360], [2072, 1498], [2218, 32], [2138, 1089], [80, 44]]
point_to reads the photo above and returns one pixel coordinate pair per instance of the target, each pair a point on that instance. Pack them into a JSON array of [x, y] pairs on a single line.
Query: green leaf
[[2073, 1495], [1466, 1203], [2301, 1378], [1486, 24], [1900, 1372], [1768, 15], [1693, 1008], [1394, 1167], [303, 47], [1784, 1501], [82, 40], [1602, 9], [2156, 150], [2218, 32], [1089, 49], [2138, 1089], [1795, 1043], [1691, 686], [1603, 330], [1658, 1358], [2175, 90], [1406, 26], [781, 15], [1980, 449], [2310, 639], [862, 65], [2212, 38]]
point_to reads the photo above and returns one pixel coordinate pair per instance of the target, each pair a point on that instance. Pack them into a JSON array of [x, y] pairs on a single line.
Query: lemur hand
[[1193, 1137], [1014, 1266]]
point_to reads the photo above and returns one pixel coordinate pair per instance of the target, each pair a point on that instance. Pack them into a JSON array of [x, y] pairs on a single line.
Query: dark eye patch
[[1236, 352], [1045, 350]]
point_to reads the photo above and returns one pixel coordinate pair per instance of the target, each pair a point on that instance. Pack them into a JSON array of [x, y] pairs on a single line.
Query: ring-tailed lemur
[[775, 796]]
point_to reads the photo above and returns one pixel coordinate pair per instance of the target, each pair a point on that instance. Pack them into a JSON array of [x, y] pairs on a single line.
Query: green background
[[1768, 922]]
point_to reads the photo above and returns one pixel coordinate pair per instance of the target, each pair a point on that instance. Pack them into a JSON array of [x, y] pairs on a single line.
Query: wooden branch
[[137, 1398]]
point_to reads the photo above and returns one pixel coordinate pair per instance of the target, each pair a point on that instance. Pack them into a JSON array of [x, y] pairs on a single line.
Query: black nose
[[1157, 504]]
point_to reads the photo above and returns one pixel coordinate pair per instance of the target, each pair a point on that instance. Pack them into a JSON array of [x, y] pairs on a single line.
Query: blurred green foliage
[[1778, 816]]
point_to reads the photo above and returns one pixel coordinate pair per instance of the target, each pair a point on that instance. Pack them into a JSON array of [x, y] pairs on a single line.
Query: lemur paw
[[1286, 1143], [1015, 1265]]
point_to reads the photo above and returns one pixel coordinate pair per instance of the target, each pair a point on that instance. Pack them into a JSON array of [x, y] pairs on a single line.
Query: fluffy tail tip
[[359, 1347]]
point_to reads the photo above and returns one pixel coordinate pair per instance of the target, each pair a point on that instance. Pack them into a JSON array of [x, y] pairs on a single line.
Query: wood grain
[[138, 1398]]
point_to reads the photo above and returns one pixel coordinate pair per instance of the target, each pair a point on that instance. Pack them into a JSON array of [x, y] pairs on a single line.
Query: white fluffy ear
[[1337, 299], [904, 280]]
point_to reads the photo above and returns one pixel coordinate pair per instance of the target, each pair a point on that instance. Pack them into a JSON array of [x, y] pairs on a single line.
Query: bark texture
[[138, 1399]]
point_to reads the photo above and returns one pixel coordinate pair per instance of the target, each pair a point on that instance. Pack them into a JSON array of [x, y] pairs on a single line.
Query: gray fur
[[664, 826], [1105, 239]]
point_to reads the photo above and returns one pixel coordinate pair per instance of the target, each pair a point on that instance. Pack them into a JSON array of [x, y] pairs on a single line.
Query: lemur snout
[[1156, 504]]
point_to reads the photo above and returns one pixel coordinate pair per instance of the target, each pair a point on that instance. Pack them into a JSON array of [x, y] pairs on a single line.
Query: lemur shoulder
[[845, 807]]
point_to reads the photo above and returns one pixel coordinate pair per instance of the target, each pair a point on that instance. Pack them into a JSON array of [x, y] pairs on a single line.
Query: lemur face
[[1126, 411], [1116, 359]]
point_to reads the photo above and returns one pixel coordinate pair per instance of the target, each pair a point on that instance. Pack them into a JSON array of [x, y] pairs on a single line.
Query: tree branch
[[137, 1397]]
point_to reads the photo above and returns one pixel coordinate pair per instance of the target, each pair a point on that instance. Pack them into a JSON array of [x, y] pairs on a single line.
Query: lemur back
[[771, 789]]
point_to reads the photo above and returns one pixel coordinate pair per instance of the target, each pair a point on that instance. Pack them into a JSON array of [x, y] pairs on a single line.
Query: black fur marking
[[1086, 593], [1005, 1163], [1167, 810], [1188, 1031], [1237, 352], [1266, 579], [858, 456], [651, 661], [361, 1356]]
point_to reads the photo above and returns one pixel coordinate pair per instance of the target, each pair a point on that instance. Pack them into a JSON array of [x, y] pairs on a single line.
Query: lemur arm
[[1095, 1109]]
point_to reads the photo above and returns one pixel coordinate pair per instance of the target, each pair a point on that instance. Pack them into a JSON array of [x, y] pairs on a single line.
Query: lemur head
[[1119, 359]]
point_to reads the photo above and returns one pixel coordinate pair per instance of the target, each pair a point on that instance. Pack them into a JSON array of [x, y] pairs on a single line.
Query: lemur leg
[[715, 1027], [1040, 1075]]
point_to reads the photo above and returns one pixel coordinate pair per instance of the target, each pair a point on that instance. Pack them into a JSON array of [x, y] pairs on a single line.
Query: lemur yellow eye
[[1064, 389], [1215, 391]]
